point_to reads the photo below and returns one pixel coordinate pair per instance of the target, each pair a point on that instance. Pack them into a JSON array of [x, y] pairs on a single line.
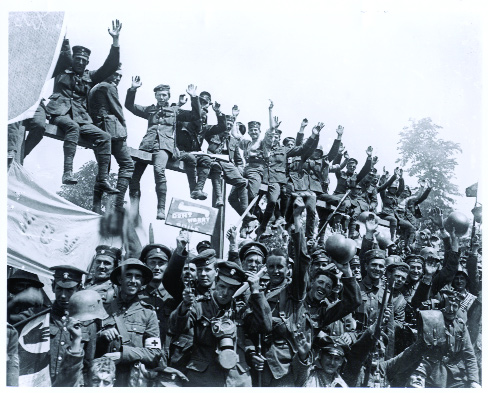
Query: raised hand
[[318, 127], [276, 122], [371, 223], [192, 90], [136, 82], [216, 107], [397, 172], [304, 344], [304, 123], [340, 130], [231, 234], [235, 111], [375, 160], [271, 105], [183, 99], [369, 151], [115, 31], [437, 217], [346, 155], [182, 241]]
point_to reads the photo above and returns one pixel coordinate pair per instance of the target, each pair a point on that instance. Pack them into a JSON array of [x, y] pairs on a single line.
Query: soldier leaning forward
[[220, 329]]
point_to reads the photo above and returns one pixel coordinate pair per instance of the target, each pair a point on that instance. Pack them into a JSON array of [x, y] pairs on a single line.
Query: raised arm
[[196, 109], [367, 165], [130, 98], [300, 133], [112, 62], [172, 277], [334, 150]]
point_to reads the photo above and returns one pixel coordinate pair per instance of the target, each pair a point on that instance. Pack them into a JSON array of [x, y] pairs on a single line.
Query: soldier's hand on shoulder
[[74, 327]]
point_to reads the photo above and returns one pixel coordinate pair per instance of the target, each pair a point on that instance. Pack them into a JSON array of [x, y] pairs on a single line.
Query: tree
[[81, 194], [430, 158]]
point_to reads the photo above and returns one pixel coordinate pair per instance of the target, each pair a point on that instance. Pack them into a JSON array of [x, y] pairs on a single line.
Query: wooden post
[[217, 239]]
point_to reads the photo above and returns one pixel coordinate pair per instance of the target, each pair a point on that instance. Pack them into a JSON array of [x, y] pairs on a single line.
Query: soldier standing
[[219, 329], [67, 281], [131, 332], [156, 257]]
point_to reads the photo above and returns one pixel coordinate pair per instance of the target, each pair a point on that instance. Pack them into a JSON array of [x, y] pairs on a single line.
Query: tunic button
[[64, 327], [63, 317], [60, 358], [157, 308], [62, 342]]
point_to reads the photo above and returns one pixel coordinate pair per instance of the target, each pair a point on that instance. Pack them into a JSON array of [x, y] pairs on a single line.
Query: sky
[[368, 66]]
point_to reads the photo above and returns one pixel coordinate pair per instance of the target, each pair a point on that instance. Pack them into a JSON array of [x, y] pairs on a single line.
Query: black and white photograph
[[244, 194]]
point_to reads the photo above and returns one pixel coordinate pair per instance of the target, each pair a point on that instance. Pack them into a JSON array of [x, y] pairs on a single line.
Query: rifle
[[258, 351], [332, 214], [377, 330]]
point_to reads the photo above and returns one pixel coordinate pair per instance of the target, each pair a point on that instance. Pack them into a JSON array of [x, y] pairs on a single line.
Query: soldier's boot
[[69, 149], [161, 193], [244, 202], [102, 177], [135, 199], [202, 175], [191, 175], [392, 232], [97, 199], [217, 186], [122, 185]]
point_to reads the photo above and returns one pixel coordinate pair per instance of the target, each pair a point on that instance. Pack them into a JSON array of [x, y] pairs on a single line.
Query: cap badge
[[158, 250], [232, 272], [65, 276], [102, 251]]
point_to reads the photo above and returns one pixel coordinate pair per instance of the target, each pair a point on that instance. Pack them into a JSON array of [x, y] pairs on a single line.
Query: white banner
[[44, 229]]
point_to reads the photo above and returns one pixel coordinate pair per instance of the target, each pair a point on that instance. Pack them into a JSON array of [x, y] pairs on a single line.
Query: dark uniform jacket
[[454, 363], [390, 201], [347, 180], [291, 314], [71, 90], [161, 126], [224, 143], [60, 340], [141, 324], [106, 110], [163, 303], [276, 159], [204, 368]]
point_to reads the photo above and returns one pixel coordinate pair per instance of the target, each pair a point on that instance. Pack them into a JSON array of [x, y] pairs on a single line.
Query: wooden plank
[[137, 155]]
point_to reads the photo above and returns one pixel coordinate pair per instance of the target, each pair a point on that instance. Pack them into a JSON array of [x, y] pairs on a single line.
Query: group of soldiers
[[287, 316], [403, 310]]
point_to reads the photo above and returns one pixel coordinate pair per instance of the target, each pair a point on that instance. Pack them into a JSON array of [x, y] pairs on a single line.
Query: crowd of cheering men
[[400, 310]]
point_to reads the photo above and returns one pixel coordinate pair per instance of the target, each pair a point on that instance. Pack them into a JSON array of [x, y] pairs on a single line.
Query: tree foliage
[[425, 156], [81, 194]]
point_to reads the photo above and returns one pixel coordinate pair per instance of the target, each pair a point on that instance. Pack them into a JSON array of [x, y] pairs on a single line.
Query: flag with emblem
[[34, 343], [472, 191]]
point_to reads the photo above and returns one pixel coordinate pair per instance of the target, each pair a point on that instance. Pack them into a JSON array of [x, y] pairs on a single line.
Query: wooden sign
[[192, 216]]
